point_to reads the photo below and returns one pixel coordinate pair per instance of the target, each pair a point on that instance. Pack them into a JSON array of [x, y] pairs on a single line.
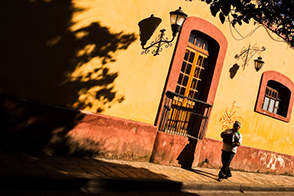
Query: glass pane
[[183, 91], [197, 84], [204, 62], [206, 46], [178, 89], [271, 105], [265, 103], [193, 84], [183, 66], [195, 96], [277, 104], [199, 73], [180, 79], [199, 42], [199, 61], [180, 20], [191, 58], [196, 74], [192, 38], [188, 70], [276, 107], [186, 55], [190, 93], [173, 19], [185, 81]]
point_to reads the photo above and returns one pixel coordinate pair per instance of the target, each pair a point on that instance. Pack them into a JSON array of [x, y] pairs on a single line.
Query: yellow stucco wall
[[139, 80], [142, 77], [236, 98]]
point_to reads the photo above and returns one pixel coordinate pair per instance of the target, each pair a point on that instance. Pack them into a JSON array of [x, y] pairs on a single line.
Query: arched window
[[275, 98]]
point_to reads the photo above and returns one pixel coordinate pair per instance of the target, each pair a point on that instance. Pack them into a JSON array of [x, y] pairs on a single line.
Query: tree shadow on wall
[[37, 128], [39, 54], [42, 58]]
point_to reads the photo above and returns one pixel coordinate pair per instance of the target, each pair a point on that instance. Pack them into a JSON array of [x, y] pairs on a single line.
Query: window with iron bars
[[184, 116], [276, 98], [271, 100]]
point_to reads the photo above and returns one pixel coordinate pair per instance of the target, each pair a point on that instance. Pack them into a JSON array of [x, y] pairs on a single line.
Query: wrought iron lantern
[[258, 63], [177, 18]]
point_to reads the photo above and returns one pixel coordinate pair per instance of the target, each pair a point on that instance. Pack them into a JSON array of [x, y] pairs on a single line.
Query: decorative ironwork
[[184, 116], [158, 43], [250, 51], [147, 27]]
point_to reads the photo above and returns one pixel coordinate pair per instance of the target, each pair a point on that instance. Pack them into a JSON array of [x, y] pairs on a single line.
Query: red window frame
[[280, 78]]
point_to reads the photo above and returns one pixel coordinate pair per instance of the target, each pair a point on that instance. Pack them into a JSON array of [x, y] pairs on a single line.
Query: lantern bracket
[[248, 53]]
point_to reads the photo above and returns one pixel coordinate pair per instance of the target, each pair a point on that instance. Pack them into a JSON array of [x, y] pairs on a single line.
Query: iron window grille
[[184, 116]]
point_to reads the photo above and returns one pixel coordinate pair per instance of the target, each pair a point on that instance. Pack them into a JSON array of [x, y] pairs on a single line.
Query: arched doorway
[[190, 89], [194, 73]]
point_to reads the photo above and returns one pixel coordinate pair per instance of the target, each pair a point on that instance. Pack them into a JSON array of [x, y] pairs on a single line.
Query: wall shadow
[[36, 129], [39, 52], [233, 70], [147, 27]]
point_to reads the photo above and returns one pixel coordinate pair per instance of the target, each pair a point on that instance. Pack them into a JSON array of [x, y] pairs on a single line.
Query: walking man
[[231, 140]]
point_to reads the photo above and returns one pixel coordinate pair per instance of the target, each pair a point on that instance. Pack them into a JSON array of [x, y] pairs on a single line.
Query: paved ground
[[31, 174]]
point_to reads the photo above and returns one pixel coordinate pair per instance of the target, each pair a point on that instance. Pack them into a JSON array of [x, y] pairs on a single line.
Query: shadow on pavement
[[25, 173], [206, 174]]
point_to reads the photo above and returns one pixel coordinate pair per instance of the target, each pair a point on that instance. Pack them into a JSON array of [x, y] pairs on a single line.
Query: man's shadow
[[206, 174], [186, 157]]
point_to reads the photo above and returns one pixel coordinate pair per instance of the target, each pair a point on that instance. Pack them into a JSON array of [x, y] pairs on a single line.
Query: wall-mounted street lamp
[[258, 63], [177, 18]]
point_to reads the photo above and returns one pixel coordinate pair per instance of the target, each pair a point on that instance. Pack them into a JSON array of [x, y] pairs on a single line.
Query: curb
[[99, 185], [93, 185], [237, 187]]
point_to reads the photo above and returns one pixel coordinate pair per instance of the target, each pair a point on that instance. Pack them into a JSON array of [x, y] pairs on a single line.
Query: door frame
[[212, 32]]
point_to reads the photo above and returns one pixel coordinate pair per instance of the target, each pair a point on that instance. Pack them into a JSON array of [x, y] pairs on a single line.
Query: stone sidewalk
[[20, 172]]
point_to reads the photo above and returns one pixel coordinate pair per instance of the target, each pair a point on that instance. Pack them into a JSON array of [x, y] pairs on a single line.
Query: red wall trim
[[278, 77], [246, 159], [113, 137], [82, 134]]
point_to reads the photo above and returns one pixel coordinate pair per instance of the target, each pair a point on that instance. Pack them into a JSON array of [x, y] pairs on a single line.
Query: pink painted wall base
[[36, 128]]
